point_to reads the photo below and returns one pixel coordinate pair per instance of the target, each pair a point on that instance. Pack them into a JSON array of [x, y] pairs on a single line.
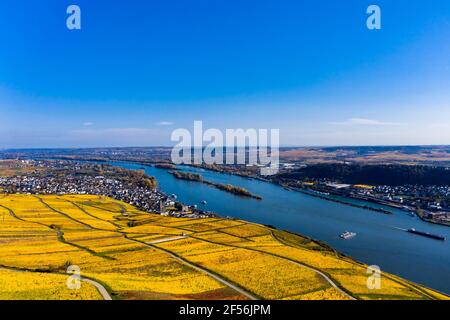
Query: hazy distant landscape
[[432, 155]]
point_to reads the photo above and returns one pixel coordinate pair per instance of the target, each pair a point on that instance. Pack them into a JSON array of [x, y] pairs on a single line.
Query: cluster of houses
[[77, 178], [145, 199], [433, 202], [432, 198]]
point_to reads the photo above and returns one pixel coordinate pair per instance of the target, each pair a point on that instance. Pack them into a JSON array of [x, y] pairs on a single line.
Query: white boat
[[204, 202], [347, 235]]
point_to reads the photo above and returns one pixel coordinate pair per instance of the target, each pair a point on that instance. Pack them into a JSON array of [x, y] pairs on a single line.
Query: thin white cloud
[[118, 136], [88, 124], [113, 131], [364, 122], [165, 123]]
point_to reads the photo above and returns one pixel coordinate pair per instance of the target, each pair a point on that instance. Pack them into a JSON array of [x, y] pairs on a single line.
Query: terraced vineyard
[[136, 255]]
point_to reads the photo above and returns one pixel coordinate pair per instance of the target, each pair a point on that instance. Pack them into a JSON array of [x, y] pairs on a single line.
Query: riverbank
[[305, 191], [415, 213], [250, 175], [324, 197]]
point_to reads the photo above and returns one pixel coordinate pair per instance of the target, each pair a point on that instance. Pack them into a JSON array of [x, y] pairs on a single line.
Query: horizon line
[[168, 147]]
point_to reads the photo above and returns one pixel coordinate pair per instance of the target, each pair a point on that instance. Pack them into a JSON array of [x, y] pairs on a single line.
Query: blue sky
[[139, 69]]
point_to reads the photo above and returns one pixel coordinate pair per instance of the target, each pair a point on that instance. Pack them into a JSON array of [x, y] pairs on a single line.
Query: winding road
[[231, 285], [196, 267], [101, 289]]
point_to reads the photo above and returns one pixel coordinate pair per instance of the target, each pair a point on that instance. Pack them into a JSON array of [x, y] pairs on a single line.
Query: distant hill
[[424, 155]]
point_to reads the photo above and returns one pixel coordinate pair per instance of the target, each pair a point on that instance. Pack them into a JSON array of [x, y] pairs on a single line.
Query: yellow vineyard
[[136, 255]]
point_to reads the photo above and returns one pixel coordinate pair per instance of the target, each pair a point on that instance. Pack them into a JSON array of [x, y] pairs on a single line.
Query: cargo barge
[[426, 234]]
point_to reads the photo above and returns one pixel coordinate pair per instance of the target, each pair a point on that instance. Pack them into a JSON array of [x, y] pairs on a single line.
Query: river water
[[380, 239]]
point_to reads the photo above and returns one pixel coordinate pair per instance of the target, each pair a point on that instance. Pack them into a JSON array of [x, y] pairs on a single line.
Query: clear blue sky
[[139, 69]]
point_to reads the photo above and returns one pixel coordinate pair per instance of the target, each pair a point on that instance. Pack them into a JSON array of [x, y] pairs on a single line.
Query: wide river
[[381, 239]]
